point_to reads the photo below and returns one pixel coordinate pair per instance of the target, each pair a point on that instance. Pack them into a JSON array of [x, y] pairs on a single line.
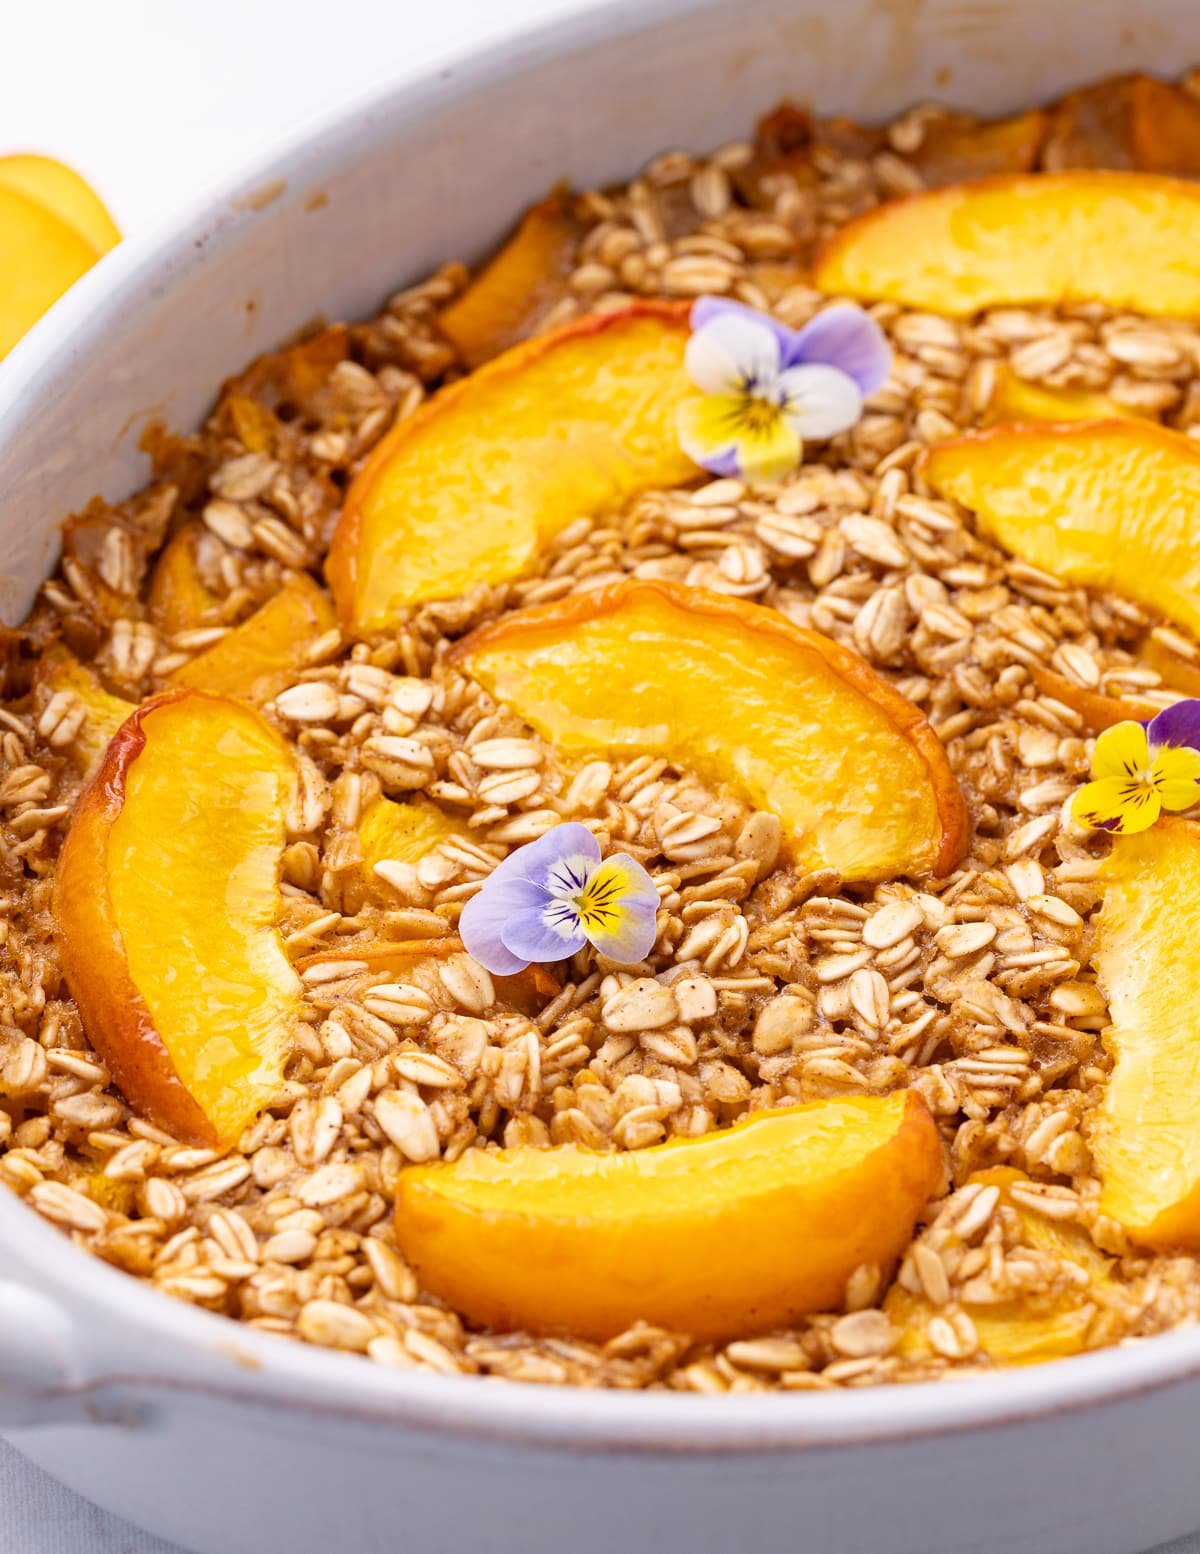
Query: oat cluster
[[764, 987]]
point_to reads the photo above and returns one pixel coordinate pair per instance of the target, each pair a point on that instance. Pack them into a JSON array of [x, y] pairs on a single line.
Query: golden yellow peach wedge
[[61, 190], [1097, 710], [179, 598], [737, 693], [1147, 1143], [1122, 238], [166, 899], [566, 425], [740, 1231], [1105, 504], [40, 257], [1016, 400], [60, 672], [257, 659]]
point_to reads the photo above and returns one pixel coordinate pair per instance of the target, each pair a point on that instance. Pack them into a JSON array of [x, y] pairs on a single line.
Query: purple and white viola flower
[[766, 388], [550, 898]]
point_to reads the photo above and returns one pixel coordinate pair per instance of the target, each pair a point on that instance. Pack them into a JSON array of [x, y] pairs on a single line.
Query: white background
[[154, 101]]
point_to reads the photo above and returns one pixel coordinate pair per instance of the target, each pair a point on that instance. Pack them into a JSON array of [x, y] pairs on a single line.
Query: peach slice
[[742, 1230], [257, 659], [1054, 1320], [462, 492], [1147, 1146], [1120, 238], [165, 903], [516, 289], [40, 258], [1016, 399], [958, 146], [1179, 671], [61, 190], [179, 598], [1106, 504], [1164, 127], [1097, 710], [736, 692], [104, 713], [389, 831]]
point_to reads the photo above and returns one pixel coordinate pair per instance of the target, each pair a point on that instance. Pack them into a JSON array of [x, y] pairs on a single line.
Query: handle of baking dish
[[40, 1367]]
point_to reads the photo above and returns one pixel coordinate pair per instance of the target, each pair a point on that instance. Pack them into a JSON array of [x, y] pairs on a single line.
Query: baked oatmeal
[[443, 641]]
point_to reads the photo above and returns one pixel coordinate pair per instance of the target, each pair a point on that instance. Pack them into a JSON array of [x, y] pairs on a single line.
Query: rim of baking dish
[[139, 1344]]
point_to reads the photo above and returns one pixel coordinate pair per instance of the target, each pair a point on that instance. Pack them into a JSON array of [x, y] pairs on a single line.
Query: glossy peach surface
[[1147, 1145], [1109, 504], [1122, 238], [166, 900], [739, 1231], [61, 190], [257, 659], [463, 492], [802, 727], [1016, 399], [103, 713]]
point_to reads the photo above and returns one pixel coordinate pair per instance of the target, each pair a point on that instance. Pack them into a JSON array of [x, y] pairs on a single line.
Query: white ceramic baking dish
[[233, 1442]]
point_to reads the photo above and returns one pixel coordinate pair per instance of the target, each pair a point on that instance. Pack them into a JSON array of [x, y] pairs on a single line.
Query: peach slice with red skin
[[517, 287], [742, 1230], [259, 658], [1120, 238], [1146, 1143], [1097, 710], [1104, 504], [166, 898], [464, 492], [738, 693]]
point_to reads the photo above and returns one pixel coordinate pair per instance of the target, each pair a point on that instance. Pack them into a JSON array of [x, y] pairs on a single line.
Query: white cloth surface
[[155, 101]]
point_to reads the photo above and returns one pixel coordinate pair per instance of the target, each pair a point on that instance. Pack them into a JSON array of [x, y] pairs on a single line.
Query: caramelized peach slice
[[165, 903], [1116, 238], [179, 598], [40, 258], [1097, 710], [736, 693], [1147, 1145], [103, 713], [1106, 504], [1178, 666], [1015, 399], [958, 146], [463, 492], [61, 190], [740, 1231], [257, 659], [1164, 127], [517, 288], [1054, 1318], [1090, 127]]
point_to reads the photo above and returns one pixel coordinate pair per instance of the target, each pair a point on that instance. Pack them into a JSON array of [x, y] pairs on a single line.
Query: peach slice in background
[[737, 693], [257, 659], [394, 832], [1055, 1318], [742, 1230], [60, 671], [1106, 504], [1121, 238], [569, 424], [165, 904], [1015, 399], [179, 599], [40, 257], [1147, 1144], [63, 192], [518, 286]]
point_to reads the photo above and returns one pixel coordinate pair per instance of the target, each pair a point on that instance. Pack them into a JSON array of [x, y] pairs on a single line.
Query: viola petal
[[1176, 777], [1117, 805], [733, 355], [848, 338], [619, 908], [535, 860], [819, 401], [1176, 725], [705, 310], [551, 932], [1121, 751], [489, 912]]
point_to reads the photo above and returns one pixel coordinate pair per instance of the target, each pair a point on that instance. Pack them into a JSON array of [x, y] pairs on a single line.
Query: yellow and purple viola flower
[[550, 898], [1140, 769], [765, 388]]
